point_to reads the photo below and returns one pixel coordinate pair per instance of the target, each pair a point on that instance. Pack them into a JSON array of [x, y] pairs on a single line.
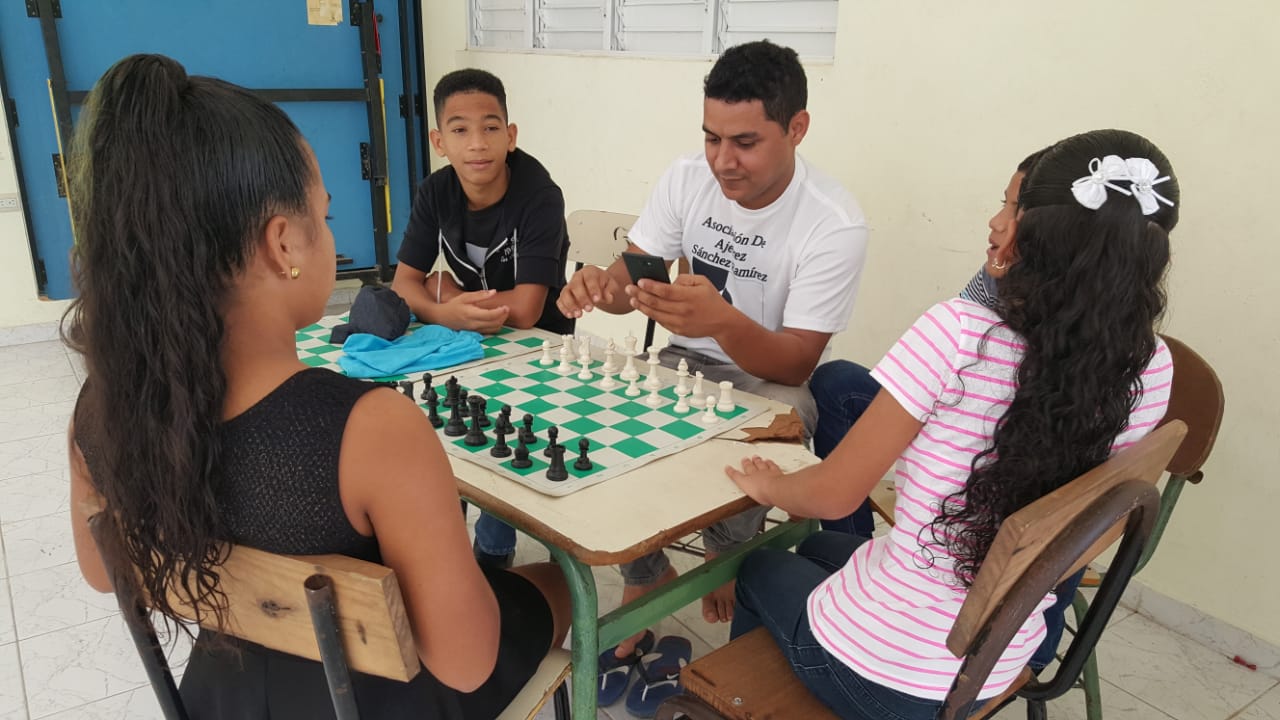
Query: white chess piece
[[652, 381], [629, 371], [608, 383], [682, 367], [610, 367], [585, 372], [584, 347], [709, 416], [696, 396], [682, 405], [682, 384], [633, 390], [631, 344], [654, 399], [653, 355], [726, 397], [565, 368], [546, 360]]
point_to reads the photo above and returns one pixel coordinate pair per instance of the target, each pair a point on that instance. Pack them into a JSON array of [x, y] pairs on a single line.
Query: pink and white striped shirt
[[887, 613]]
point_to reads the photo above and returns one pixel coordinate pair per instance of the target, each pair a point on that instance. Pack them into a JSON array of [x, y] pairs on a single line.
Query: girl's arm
[[836, 486], [85, 502]]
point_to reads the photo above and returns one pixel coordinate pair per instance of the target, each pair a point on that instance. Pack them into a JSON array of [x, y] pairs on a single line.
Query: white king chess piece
[[682, 404], [654, 399], [629, 371], [696, 398], [652, 381], [726, 397], [630, 343]]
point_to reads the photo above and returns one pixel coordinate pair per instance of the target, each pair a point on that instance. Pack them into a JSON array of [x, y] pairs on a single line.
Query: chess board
[[315, 350], [625, 432]]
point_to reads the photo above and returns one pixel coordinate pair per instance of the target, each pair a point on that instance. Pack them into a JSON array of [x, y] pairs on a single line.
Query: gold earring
[[294, 272]]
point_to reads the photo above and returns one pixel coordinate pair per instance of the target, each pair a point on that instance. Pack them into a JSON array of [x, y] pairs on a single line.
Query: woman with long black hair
[[981, 411], [202, 246]]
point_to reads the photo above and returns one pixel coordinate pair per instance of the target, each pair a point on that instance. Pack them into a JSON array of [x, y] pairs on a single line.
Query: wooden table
[[628, 517]]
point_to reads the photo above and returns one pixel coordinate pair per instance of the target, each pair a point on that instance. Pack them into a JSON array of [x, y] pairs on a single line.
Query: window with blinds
[[654, 27]]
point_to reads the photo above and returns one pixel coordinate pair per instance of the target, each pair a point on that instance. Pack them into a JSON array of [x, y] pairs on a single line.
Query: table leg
[[586, 646]]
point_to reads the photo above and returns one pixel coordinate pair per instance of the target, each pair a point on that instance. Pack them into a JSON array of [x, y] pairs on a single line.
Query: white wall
[[924, 114], [19, 304]]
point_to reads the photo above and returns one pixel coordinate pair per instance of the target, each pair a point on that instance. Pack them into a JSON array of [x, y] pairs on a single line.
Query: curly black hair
[[173, 179], [760, 71], [1085, 293]]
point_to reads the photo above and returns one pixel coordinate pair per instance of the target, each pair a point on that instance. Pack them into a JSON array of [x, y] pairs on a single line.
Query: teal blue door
[[349, 87]]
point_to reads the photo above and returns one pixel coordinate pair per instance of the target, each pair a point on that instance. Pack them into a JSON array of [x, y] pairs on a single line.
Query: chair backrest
[[267, 604], [1197, 400], [597, 237], [1049, 540]]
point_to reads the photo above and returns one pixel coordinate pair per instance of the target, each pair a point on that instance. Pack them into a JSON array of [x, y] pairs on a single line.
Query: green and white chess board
[[315, 350], [625, 432]]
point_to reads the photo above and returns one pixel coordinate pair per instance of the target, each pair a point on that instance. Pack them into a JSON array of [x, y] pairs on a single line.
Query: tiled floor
[[64, 652]]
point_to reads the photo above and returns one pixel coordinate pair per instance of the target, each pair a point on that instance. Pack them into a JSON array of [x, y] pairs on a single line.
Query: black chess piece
[[521, 460], [433, 414], [557, 471], [552, 432], [475, 434], [484, 413], [406, 387], [583, 462], [461, 399], [456, 425], [426, 384], [500, 448], [526, 431], [450, 392], [504, 420]]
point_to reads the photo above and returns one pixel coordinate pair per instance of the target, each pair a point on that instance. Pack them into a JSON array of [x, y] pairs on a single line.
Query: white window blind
[[500, 23], [655, 27]]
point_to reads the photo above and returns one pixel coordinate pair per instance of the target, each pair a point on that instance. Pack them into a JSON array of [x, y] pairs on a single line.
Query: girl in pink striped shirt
[[982, 411]]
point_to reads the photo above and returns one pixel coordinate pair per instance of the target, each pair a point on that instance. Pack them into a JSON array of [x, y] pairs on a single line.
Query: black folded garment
[[376, 310]]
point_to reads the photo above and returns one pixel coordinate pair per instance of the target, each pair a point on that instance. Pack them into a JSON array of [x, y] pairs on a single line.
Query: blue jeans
[[773, 591], [842, 390], [494, 537]]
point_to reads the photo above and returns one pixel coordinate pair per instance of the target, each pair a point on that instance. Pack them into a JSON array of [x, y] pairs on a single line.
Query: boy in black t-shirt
[[495, 215], [498, 219]]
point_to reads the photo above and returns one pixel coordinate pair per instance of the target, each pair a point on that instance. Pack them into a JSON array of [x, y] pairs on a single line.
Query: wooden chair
[[1035, 548], [598, 237], [1196, 399], [344, 612]]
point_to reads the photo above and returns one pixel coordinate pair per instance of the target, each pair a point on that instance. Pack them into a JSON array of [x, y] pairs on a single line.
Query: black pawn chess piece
[[426, 385], [456, 425], [504, 420], [475, 435], [552, 432], [526, 431], [521, 460], [433, 414], [450, 392], [557, 471], [406, 387], [583, 462], [484, 413], [500, 448]]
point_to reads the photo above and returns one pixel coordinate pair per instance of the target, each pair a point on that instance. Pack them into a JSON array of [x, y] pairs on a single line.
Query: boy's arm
[[458, 311]]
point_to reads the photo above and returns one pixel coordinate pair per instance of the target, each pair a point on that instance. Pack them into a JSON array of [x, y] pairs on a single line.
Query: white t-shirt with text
[[796, 263]]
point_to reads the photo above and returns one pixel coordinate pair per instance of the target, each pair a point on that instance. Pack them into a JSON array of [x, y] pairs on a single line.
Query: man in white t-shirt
[[776, 251]]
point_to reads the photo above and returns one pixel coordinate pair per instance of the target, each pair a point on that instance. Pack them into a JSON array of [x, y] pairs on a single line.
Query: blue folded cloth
[[430, 347]]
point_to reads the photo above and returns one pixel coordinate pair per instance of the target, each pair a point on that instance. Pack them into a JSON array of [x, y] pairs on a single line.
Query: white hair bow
[[1144, 174], [1141, 174], [1091, 190]]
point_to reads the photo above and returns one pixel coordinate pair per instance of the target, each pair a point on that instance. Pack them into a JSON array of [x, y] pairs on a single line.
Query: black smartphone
[[641, 266]]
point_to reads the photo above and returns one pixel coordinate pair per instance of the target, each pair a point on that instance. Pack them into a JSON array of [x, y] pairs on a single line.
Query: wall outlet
[[10, 202]]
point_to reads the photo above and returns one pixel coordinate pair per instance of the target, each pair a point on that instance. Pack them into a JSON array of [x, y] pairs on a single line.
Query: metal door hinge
[[33, 8], [59, 176], [356, 19]]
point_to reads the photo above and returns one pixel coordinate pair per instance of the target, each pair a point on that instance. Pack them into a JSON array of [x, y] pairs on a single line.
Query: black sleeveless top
[[280, 493]]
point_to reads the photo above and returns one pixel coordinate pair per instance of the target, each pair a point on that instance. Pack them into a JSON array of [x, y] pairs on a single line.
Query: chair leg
[[561, 700], [688, 705], [1089, 675], [1036, 710]]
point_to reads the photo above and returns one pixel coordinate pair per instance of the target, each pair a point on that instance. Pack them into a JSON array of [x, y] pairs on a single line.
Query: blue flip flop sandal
[[615, 672], [659, 676]]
